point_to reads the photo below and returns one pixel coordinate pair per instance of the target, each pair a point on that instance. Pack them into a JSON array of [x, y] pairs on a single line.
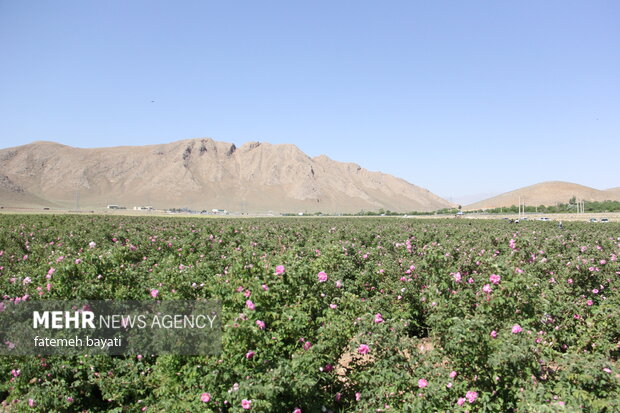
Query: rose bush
[[335, 314]]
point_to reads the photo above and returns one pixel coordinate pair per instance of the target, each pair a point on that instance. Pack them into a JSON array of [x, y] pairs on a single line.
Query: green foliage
[[448, 330], [595, 206]]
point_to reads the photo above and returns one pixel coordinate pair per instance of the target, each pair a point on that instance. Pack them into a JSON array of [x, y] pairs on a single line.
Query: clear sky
[[460, 97]]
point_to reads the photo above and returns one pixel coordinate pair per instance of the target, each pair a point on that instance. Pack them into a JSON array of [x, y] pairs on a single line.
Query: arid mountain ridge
[[206, 174], [548, 194], [200, 174]]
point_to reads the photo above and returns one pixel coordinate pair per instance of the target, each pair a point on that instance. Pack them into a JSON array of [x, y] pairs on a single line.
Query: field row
[[331, 314]]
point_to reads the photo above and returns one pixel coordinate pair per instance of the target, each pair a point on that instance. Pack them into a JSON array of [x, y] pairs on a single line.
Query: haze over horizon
[[461, 99]]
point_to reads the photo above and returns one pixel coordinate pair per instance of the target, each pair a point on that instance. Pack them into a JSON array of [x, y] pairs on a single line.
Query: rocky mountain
[[200, 174]]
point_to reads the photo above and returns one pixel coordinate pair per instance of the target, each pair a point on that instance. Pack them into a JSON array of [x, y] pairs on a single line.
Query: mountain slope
[[546, 193], [13, 195], [206, 174]]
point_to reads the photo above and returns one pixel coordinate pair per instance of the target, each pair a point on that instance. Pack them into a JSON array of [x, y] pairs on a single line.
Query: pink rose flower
[[246, 404], [471, 396], [516, 329], [280, 270], [322, 276], [205, 397], [422, 383], [378, 318], [363, 349]]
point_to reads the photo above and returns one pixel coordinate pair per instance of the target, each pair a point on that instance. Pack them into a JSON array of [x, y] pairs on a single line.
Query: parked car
[[593, 220], [544, 219], [604, 220]]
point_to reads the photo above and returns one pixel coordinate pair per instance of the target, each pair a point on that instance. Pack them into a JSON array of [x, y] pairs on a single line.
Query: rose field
[[330, 314]]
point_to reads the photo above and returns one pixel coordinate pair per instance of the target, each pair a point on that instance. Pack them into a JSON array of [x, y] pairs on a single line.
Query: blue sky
[[460, 97]]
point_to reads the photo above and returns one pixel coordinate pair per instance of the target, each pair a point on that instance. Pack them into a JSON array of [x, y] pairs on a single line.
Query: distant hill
[[548, 194], [201, 174]]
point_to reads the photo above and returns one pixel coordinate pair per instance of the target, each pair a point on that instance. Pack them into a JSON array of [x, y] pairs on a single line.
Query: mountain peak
[[202, 173]]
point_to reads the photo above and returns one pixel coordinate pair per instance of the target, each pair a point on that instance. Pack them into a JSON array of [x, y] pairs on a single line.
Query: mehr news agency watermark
[[110, 327]]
